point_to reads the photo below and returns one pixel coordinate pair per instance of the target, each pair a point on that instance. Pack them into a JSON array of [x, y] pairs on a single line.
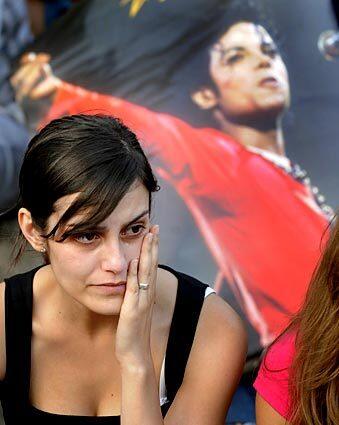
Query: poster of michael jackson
[[236, 108]]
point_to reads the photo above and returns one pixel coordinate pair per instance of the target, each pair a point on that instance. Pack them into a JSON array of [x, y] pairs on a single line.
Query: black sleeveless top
[[14, 389]]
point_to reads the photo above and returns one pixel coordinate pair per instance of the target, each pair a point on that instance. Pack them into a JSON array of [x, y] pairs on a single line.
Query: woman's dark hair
[[96, 156]]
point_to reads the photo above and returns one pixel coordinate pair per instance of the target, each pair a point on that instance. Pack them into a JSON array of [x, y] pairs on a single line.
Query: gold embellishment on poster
[[136, 5]]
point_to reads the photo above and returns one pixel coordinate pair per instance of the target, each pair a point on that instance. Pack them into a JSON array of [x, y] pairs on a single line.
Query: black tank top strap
[[18, 325], [189, 301]]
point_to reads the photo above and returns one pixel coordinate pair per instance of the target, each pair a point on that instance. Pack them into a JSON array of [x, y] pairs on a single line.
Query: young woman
[[298, 380], [84, 338]]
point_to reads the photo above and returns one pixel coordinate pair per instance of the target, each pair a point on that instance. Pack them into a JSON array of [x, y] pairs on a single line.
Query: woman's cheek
[[133, 249], [72, 259]]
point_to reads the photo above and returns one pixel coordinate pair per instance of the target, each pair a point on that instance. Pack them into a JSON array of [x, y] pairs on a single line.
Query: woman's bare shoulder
[[219, 316], [2, 332], [220, 335], [215, 363]]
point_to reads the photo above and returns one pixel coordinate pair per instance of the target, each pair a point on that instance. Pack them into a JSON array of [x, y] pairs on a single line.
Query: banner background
[[157, 59]]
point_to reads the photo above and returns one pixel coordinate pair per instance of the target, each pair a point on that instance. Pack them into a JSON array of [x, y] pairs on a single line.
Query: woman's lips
[[110, 288]]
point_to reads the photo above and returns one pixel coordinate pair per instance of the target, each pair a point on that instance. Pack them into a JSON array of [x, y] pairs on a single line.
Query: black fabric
[[14, 390], [18, 318], [184, 322]]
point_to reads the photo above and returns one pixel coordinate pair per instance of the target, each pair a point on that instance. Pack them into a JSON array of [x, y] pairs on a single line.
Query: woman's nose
[[114, 259]]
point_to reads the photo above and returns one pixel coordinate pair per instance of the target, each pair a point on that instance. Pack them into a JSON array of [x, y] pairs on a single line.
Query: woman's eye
[[86, 238], [135, 230]]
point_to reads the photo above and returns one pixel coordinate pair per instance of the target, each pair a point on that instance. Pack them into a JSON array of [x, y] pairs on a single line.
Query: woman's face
[[248, 72], [82, 264]]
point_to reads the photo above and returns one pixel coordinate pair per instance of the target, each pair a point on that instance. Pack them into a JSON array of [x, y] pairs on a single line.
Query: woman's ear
[[205, 98], [30, 231]]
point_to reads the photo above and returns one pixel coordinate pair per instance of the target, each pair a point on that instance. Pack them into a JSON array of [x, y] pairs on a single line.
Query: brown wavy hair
[[314, 377]]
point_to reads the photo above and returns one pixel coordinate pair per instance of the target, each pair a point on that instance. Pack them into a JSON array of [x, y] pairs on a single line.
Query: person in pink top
[[297, 382]]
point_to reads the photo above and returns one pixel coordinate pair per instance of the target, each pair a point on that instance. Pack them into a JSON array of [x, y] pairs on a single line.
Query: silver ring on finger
[[143, 286]]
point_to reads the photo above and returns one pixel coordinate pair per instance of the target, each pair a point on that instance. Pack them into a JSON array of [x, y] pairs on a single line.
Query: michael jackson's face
[[249, 74]]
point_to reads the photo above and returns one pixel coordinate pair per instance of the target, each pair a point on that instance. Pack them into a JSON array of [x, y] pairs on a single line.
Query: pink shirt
[[272, 380]]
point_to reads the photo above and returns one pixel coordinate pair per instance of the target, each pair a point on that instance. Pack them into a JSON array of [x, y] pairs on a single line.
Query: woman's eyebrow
[[101, 228], [145, 212]]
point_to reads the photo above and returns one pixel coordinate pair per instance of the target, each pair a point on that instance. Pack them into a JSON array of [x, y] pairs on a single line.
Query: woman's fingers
[[132, 287], [148, 264], [144, 271], [154, 254], [155, 231], [133, 334]]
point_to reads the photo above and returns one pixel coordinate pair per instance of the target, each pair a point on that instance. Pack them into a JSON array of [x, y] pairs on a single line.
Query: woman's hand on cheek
[[132, 346]]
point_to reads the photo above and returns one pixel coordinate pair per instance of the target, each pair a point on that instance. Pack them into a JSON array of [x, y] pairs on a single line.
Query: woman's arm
[[212, 374], [266, 415], [214, 367], [140, 396], [273, 402], [139, 390]]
